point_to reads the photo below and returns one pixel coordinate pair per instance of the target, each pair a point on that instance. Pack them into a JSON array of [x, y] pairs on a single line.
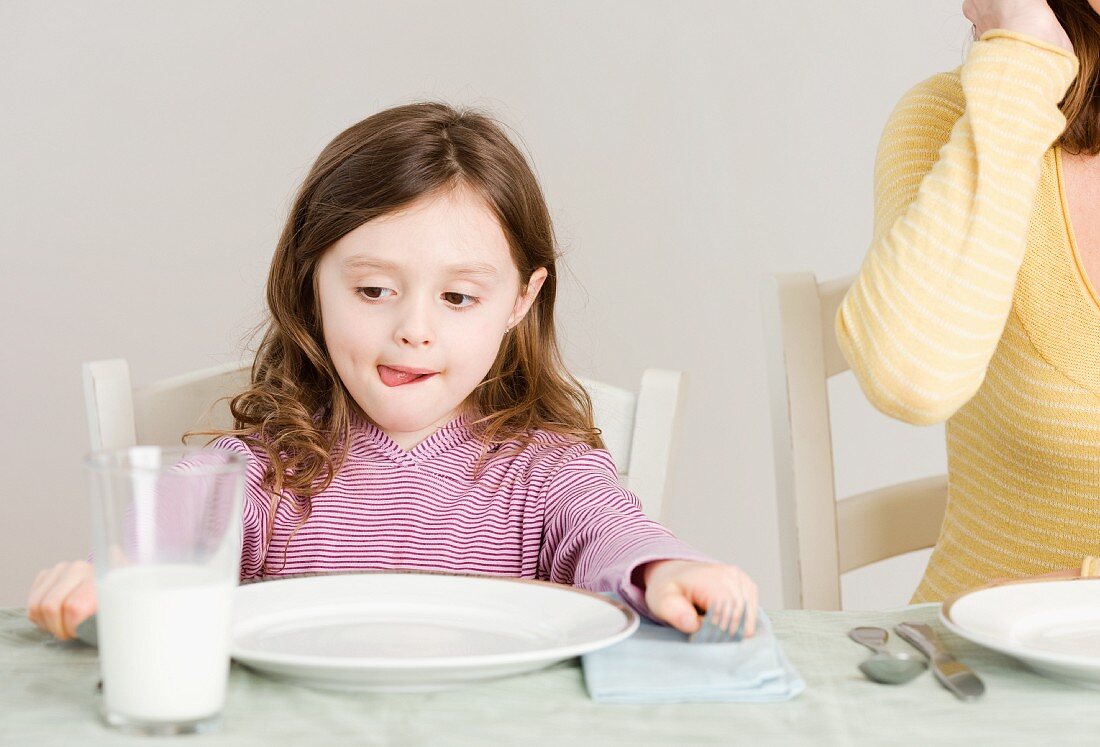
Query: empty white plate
[[416, 631], [1052, 626]]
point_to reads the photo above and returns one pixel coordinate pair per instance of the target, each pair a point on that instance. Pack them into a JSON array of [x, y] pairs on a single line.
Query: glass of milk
[[167, 537]]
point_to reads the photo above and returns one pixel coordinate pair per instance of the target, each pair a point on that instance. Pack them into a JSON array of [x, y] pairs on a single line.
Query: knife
[[952, 673]]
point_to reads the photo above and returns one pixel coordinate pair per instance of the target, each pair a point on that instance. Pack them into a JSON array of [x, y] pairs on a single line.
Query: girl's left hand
[[676, 589]]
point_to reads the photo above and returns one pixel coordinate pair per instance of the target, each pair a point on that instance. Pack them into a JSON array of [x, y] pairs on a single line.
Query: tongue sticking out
[[396, 377]]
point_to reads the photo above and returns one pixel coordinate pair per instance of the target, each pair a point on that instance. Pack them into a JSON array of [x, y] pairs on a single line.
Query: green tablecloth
[[47, 696]]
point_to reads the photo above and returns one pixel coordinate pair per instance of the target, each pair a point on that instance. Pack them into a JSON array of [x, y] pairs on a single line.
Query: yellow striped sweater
[[972, 306]]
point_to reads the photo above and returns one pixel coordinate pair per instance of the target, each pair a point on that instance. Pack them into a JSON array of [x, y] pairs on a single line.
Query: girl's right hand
[[62, 597], [1031, 17]]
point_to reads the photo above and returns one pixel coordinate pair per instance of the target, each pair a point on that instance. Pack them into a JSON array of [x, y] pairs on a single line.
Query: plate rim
[[252, 656], [1016, 650]]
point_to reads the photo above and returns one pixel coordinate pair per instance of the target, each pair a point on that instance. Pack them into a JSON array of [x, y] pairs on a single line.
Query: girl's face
[[414, 306]]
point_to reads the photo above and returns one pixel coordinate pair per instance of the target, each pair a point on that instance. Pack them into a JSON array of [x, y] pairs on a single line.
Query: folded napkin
[[658, 665]]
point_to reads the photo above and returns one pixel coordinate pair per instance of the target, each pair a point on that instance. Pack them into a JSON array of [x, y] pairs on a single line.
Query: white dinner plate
[[416, 631], [1051, 626]]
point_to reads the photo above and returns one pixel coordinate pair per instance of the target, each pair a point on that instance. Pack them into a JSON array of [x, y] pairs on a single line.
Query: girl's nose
[[415, 329], [415, 340]]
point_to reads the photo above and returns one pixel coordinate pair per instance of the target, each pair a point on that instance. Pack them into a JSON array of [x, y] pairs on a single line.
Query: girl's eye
[[374, 293], [459, 300]]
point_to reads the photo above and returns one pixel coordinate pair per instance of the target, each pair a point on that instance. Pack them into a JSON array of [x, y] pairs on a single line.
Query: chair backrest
[[119, 415], [821, 538], [638, 428], [639, 431]]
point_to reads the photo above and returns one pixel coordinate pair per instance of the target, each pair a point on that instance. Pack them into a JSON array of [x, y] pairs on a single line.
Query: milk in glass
[[164, 640]]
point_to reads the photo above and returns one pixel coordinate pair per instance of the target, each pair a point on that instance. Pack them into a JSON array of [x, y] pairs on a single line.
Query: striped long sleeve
[[596, 533], [955, 182], [972, 307]]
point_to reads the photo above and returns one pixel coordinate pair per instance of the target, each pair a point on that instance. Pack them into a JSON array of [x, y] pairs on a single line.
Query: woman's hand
[[1031, 17], [62, 597], [676, 589]]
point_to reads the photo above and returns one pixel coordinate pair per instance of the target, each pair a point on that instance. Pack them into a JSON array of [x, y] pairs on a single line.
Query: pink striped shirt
[[553, 510]]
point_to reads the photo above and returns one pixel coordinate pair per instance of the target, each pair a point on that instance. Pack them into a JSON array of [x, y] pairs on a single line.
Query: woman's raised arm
[[955, 181]]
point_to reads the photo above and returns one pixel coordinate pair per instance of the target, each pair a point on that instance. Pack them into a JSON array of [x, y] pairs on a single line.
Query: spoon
[[886, 667]]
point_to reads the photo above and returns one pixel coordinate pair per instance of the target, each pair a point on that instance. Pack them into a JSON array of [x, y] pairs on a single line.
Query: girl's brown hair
[[1081, 106], [296, 410]]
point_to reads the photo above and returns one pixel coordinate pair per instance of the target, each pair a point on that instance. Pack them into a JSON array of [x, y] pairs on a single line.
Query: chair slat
[[897, 519]]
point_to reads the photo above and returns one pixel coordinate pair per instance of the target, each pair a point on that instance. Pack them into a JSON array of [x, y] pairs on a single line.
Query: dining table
[[49, 696]]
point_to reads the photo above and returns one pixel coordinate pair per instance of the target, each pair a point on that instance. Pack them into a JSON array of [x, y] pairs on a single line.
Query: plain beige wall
[[149, 152]]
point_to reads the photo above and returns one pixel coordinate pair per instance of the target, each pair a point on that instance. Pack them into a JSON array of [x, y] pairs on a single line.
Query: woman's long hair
[[296, 410], [1081, 106]]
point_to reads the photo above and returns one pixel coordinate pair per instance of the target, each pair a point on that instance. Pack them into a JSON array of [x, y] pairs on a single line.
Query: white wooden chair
[[821, 538], [638, 428]]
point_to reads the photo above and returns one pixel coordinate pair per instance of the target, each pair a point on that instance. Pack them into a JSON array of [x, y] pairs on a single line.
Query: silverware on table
[[86, 631], [952, 673], [886, 667], [718, 627]]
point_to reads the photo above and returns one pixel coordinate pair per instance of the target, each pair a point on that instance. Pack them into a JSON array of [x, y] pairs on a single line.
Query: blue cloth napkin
[[658, 665]]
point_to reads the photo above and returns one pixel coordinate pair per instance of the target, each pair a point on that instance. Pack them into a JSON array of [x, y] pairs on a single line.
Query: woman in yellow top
[[978, 304]]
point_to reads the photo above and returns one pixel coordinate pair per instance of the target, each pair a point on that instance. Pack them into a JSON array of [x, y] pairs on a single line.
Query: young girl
[[408, 405]]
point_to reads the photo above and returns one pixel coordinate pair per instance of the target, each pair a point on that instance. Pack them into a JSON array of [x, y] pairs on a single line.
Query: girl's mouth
[[400, 375]]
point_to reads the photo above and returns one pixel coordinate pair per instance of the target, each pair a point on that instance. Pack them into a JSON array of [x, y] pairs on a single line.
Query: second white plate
[[1051, 626], [416, 631]]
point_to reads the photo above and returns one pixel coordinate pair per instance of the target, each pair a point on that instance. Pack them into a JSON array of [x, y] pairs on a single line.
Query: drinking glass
[[166, 535]]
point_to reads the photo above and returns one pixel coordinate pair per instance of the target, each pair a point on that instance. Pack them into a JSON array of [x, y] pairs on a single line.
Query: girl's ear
[[527, 297]]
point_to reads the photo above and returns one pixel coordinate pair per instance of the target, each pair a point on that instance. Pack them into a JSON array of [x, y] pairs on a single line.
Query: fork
[[717, 624]]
